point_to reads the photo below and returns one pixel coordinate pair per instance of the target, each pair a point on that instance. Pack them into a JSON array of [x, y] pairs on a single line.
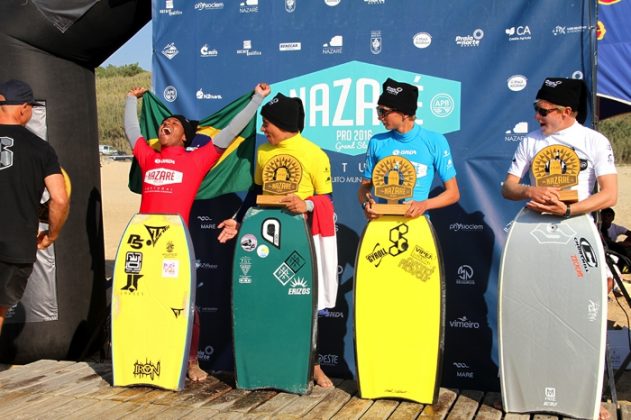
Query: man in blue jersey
[[428, 151]]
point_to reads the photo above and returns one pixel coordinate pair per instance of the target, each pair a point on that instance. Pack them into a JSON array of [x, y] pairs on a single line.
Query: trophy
[[393, 178], [557, 166], [281, 176]]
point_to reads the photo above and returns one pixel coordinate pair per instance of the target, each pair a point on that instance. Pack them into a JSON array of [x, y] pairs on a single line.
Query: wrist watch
[[568, 211]]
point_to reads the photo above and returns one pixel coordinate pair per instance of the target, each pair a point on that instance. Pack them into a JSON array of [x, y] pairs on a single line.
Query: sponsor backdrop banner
[[478, 70]]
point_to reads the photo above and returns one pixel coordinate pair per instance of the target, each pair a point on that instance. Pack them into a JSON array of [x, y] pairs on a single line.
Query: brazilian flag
[[233, 171]]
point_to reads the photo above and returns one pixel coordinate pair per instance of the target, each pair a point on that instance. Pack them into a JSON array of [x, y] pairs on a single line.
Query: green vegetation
[[112, 84], [618, 130]]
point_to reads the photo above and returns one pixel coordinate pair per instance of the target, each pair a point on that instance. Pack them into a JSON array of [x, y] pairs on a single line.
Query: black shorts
[[13, 278]]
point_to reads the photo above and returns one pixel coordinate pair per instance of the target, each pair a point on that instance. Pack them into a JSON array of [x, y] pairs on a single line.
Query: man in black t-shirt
[[28, 164]]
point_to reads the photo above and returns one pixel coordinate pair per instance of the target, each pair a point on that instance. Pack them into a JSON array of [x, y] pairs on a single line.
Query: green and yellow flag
[[233, 171]]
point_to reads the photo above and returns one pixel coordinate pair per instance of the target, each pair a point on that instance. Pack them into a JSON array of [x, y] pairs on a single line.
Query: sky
[[136, 50]]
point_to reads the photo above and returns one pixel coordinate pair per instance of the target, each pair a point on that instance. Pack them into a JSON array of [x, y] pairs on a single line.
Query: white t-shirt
[[592, 148]]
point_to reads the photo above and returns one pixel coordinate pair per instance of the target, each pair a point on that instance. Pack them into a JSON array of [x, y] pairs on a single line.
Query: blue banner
[[614, 50], [478, 68]]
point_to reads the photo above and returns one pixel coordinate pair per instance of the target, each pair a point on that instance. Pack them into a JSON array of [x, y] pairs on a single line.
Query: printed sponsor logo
[[422, 40], [245, 264], [567, 30], [373, 2], [290, 6], [177, 312], [464, 227], [170, 269], [248, 242], [170, 51], [133, 262], [201, 95], [299, 286], [262, 251], [593, 309], [553, 233], [289, 46], [206, 266], [463, 370], [375, 42], [205, 52], [170, 93], [472, 40], [398, 239], [464, 322], [160, 161], [270, 231], [132, 283], [442, 105], [148, 369], [169, 9], [325, 313], [161, 176], [550, 397], [328, 359], [518, 33], [419, 263], [332, 3], [247, 49], [215, 5], [206, 353], [586, 254], [334, 46], [465, 275], [249, 6], [517, 82], [517, 133], [288, 269], [377, 254]]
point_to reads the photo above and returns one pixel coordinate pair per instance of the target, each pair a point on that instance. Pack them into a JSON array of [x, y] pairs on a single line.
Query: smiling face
[[171, 133]]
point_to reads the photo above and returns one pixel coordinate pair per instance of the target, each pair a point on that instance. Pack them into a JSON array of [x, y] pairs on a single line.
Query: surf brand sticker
[[170, 268], [377, 255], [553, 233], [299, 286], [398, 239], [550, 397], [394, 178], [593, 309], [133, 262], [419, 263], [248, 242], [148, 369], [245, 264], [132, 282], [270, 231], [262, 251], [288, 269]]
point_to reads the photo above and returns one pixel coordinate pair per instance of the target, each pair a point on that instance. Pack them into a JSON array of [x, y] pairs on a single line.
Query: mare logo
[[155, 232], [206, 353], [270, 231], [550, 397], [177, 311], [133, 262], [464, 322], [340, 101], [398, 239], [328, 359], [132, 282], [6, 154], [463, 370], [299, 286], [553, 233], [586, 252], [147, 369], [249, 6], [170, 51], [465, 275], [375, 257], [170, 93], [290, 6], [375, 42], [518, 132]]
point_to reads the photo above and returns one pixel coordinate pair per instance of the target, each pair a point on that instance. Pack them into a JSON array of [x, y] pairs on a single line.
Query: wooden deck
[[81, 390]]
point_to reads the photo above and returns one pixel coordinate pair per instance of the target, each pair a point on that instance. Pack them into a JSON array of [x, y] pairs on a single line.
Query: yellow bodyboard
[[399, 310], [153, 297]]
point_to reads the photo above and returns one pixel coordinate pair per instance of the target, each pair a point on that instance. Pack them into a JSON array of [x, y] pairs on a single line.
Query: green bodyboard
[[274, 302]]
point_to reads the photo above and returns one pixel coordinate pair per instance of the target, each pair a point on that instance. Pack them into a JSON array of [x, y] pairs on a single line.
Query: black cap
[[566, 92], [402, 97], [284, 112], [16, 92], [190, 127]]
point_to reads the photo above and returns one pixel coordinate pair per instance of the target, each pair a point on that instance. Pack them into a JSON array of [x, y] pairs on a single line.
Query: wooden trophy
[[281, 176], [393, 178], [557, 166]]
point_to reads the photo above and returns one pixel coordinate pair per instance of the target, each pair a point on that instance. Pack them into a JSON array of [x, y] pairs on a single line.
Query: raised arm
[[238, 123], [132, 126]]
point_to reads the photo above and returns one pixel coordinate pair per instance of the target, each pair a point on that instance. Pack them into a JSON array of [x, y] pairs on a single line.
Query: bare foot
[[320, 378], [604, 413], [195, 373]]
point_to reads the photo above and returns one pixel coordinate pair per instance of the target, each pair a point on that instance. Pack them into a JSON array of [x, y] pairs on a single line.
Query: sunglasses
[[545, 111], [382, 112]]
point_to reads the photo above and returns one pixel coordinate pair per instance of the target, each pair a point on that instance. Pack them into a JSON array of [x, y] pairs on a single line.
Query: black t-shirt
[[25, 160]]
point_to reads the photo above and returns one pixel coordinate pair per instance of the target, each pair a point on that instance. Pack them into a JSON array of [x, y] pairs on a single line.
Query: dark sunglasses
[[382, 112], [545, 111]]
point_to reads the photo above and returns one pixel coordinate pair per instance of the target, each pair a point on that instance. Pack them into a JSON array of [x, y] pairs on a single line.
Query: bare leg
[[320, 377], [604, 414], [195, 373]]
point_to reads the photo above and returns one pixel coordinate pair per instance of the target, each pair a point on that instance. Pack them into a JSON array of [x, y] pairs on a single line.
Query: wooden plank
[[18, 405], [29, 377], [446, 398], [353, 409], [466, 405], [516, 416], [334, 401], [273, 405], [304, 403], [381, 409], [544, 417], [56, 382], [64, 410], [37, 366], [251, 401], [106, 409], [489, 410], [625, 411], [194, 393], [202, 413], [224, 401], [407, 410]]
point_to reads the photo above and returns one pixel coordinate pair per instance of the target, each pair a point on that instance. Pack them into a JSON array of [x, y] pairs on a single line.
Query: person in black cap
[[28, 165], [560, 108], [172, 175], [428, 151], [283, 122]]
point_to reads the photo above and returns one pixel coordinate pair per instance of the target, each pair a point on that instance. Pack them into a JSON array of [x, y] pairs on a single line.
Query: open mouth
[[166, 130]]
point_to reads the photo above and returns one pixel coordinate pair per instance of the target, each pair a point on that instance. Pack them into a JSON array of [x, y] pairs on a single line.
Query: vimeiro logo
[[340, 103]]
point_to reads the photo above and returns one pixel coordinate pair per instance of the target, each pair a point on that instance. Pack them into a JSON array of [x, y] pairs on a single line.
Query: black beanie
[[285, 113], [402, 97], [190, 127], [566, 92]]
